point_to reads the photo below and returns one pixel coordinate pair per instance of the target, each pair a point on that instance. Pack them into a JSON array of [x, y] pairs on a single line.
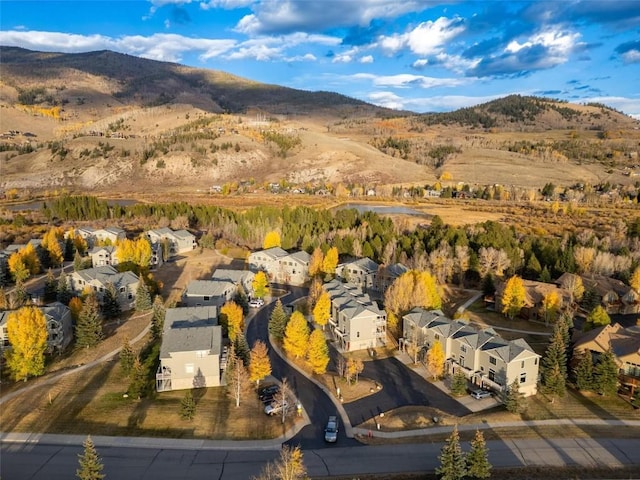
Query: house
[[101, 256], [624, 343], [178, 241], [243, 278], [280, 266], [98, 278], [191, 354], [535, 293], [356, 321], [108, 236], [361, 272], [59, 327], [614, 295], [201, 293], [386, 275], [485, 358]]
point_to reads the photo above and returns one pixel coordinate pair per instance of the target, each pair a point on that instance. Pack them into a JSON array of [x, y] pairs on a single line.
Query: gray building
[[98, 278]]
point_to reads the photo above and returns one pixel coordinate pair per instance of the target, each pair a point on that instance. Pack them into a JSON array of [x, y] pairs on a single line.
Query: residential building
[[201, 293], [485, 358], [191, 354], [98, 278], [108, 236], [101, 256], [356, 321], [535, 293], [361, 272], [386, 275], [243, 278], [178, 241], [280, 266]]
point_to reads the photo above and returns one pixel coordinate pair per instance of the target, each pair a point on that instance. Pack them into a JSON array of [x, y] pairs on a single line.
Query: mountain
[[104, 121]]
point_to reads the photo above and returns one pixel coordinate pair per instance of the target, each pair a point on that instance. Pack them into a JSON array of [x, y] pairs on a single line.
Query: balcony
[[163, 379]]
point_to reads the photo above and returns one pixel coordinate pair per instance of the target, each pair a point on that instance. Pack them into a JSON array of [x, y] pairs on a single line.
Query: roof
[[274, 253], [109, 249], [301, 256], [364, 263], [421, 317], [189, 329], [55, 310], [233, 276], [107, 274], [184, 234], [395, 270], [211, 288], [623, 342]]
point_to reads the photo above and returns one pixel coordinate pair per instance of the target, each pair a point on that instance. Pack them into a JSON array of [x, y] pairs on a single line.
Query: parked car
[[268, 390], [479, 394], [331, 430], [256, 303], [274, 408]]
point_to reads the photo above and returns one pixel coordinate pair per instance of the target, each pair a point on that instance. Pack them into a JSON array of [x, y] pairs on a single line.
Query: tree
[[51, 243], [354, 368], [296, 335], [513, 297], [242, 349], [458, 383], [278, 321], [551, 304], [271, 239], [315, 262], [110, 304], [315, 290], [452, 461], [435, 360], [634, 281], [513, 399], [50, 287], [260, 285], [318, 352], [89, 326], [605, 374], [75, 305], [554, 364], [322, 310], [27, 335], [138, 383], [597, 318], [157, 317], [63, 294], [330, 261], [90, 464], [234, 319], [143, 297], [187, 406], [477, 459], [127, 358], [18, 267], [289, 466], [583, 372], [238, 383], [259, 363]]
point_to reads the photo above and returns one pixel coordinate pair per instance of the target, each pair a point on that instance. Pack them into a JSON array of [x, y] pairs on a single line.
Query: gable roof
[[274, 253], [213, 288], [364, 263], [233, 276], [107, 274], [189, 329], [301, 257]]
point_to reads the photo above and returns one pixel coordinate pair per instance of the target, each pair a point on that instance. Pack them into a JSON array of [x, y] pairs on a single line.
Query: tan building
[[98, 278], [280, 266], [361, 272]]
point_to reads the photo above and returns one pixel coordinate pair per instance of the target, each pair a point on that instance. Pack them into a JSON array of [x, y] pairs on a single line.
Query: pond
[[384, 209], [37, 204]]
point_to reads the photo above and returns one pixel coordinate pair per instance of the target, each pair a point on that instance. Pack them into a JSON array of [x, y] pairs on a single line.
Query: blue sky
[[420, 55]]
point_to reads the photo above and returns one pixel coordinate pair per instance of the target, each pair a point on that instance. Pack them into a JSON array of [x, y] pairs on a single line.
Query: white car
[[256, 303], [275, 407], [480, 394]]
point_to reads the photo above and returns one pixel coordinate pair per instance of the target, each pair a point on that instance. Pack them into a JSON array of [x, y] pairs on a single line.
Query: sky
[[418, 55]]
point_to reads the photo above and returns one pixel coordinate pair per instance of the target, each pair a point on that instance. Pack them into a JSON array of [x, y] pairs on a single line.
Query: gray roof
[[212, 288], [365, 264], [55, 310], [233, 276], [301, 256], [189, 329], [274, 253], [109, 249], [107, 274], [421, 317], [184, 234]]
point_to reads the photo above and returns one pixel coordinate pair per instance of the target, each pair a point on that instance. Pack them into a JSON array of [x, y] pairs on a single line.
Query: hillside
[[104, 121]]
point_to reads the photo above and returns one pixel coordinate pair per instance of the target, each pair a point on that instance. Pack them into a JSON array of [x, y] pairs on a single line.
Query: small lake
[[384, 209], [37, 204]]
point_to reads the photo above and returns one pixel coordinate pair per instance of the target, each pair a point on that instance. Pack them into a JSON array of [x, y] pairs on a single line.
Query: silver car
[[331, 430]]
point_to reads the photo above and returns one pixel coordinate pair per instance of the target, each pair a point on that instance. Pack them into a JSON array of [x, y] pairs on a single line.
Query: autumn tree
[[477, 459], [51, 244], [89, 327], [551, 304], [353, 369], [315, 290], [259, 363], [127, 358], [435, 360], [89, 463], [143, 297], [296, 335], [18, 267], [330, 261], [134, 254], [605, 374], [452, 460], [27, 335], [157, 317], [513, 297], [289, 466], [238, 382], [278, 321], [63, 291], [316, 262], [322, 310], [260, 285], [318, 352], [234, 319], [597, 318], [271, 239], [75, 305], [634, 281]]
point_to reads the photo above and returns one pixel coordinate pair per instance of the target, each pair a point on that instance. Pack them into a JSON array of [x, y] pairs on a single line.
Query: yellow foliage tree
[[27, 334], [551, 304], [435, 360], [51, 243], [260, 285], [259, 363], [315, 262], [296, 335], [315, 290], [75, 305], [322, 310], [318, 352], [634, 281], [330, 261], [30, 257], [513, 297], [355, 366], [18, 268], [271, 239], [414, 288], [235, 319]]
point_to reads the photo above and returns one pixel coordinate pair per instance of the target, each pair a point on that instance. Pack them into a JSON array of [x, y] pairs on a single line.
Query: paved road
[[53, 461]]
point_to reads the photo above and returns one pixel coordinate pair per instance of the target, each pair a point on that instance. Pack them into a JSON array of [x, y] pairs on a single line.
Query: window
[[523, 377], [437, 337], [522, 364], [357, 334], [492, 360], [463, 348], [206, 298], [122, 289], [535, 361], [188, 368], [201, 354]]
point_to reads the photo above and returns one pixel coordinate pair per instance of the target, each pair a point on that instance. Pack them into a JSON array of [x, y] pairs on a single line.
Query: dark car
[[268, 392]]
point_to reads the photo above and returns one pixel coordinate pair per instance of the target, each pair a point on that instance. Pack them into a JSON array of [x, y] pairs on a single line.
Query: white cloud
[[631, 56], [342, 58], [307, 57], [428, 38], [387, 100], [442, 103], [406, 80], [558, 43], [366, 59], [225, 4], [455, 63], [420, 63]]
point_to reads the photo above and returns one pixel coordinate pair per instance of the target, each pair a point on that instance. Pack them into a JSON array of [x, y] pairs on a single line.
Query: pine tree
[[187, 406], [90, 465], [513, 398], [240, 298], [452, 460], [296, 336], [477, 459], [157, 318], [458, 383], [89, 326], [110, 305], [606, 374], [138, 384], [50, 287], [242, 349], [278, 321], [78, 262], [583, 372], [259, 363], [127, 358], [554, 363], [27, 335], [318, 352], [63, 293], [143, 297]]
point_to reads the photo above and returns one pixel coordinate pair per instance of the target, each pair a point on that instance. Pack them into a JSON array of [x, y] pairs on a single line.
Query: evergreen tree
[[63, 293], [69, 248], [50, 287], [187, 406], [452, 460], [90, 465], [606, 374], [488, 285], [242, 349], [478, 465], [241, 298], [138, 384], [19, 296], [89, 326], [458, 383], [278, 321], [583, 372], [127, 358], [110, 305], [143, 297], [157, 317], [554, 363], [545, 275], [514, 400], [78, 262]]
